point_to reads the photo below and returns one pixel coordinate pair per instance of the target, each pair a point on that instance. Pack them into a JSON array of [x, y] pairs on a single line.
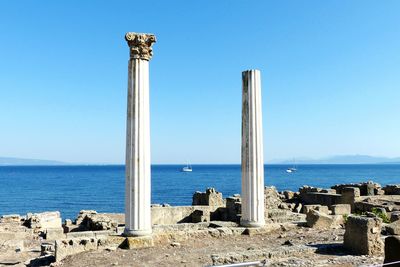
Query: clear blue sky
[[330, 75]]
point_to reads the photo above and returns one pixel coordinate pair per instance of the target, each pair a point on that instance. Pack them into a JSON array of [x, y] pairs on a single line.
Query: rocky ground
[[295, 247], [312, 227]]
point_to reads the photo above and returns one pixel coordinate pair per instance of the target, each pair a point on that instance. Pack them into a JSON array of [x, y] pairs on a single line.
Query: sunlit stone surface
[[252, 151], [138, 176]]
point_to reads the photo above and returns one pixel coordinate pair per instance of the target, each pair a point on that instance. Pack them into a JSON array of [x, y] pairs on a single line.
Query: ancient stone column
[[138, 177], [252, 151]]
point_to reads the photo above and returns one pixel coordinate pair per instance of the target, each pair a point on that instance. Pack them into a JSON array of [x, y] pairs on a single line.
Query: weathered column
[[252, 151], [138, 177]]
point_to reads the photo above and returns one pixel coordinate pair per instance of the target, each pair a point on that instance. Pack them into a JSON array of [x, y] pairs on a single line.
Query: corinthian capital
[[140, 44]]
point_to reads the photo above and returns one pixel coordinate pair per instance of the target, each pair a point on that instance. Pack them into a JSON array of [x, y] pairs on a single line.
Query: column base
[[251, 224], [129, 232]]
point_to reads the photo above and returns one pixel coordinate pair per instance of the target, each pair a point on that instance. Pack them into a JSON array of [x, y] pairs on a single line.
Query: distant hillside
[[28, 162], [343, 159]]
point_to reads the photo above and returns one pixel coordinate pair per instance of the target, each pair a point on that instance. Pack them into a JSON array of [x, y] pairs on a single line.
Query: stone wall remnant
[[392, 189], [44, 220], [209, 198]]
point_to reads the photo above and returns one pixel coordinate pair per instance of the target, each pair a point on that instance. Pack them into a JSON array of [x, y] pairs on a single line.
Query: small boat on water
[[292, 169], [188, 168]]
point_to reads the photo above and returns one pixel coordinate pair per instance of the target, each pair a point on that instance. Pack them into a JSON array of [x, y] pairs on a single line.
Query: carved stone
[[140, 44], [252, 152], [138, 172]]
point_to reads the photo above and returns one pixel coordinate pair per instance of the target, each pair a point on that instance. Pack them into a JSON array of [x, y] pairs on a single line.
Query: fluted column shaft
[[138, 173], [252, 151]]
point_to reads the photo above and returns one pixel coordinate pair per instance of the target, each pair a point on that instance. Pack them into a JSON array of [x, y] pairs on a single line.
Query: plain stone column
[[138, 176], [252, 151]]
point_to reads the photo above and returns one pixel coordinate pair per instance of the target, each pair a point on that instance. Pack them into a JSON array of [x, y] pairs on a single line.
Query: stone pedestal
[[138, 177], [252, 151]]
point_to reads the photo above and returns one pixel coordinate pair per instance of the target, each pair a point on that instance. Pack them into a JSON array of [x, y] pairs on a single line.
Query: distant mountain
[[28, 162], [343, 159]]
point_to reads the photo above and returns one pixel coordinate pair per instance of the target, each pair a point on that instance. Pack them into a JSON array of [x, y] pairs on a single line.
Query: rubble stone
[[319, 220], [54, 233], [317, 207], [393, 228], [341, 209], [272, 198]]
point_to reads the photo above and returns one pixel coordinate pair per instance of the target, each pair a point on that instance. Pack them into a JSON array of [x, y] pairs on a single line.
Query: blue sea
[[70, 189]]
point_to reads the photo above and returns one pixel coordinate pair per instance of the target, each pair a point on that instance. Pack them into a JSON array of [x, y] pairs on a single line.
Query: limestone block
[[268, 228], [393, 228], [54, 233], [96, 222], [224, 231], [81, 234], [138, 242], [319, 220], [10, 218], [320, 208], [326, 199], [44, 220], [67, 247], [112, 241], [350, 195], [341, 209], [392, 249], [103, 233], [363, 235]]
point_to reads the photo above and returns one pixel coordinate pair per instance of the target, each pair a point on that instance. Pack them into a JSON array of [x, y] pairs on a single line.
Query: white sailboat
[[292, 169], [187, 168]]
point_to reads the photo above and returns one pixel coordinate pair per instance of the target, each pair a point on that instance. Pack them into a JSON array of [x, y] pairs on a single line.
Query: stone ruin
[[366, 210], [357, 211]]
